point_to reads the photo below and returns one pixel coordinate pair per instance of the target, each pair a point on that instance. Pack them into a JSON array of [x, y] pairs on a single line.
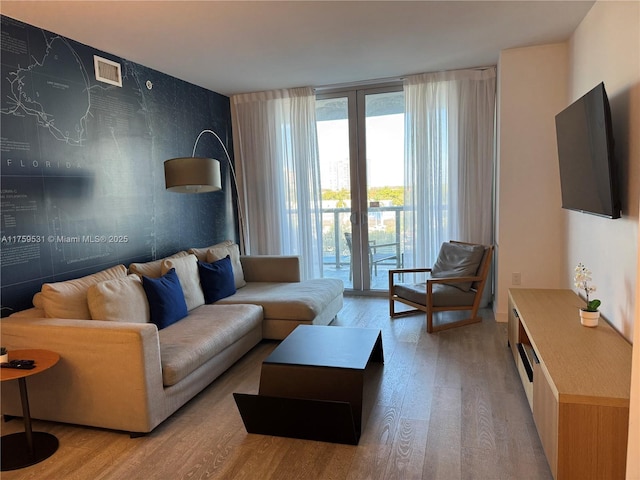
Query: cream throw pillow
[[187, 270], [38, 301], [153, 269], [69, 299], [201, 253], [119, 300], [218, 253]]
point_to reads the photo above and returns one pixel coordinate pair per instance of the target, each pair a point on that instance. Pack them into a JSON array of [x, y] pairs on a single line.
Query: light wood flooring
[[449, 406]]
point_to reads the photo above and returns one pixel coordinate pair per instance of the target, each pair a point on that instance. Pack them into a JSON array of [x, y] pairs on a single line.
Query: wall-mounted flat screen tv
[[588, 178]]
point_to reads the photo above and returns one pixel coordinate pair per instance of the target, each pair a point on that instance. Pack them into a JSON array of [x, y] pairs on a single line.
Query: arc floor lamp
[[201, 175]]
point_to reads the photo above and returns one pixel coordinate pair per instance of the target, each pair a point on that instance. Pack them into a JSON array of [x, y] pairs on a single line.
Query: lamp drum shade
[[192, 175]]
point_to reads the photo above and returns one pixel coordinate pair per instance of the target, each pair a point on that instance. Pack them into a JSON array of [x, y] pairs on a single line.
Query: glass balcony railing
[[385, 244]]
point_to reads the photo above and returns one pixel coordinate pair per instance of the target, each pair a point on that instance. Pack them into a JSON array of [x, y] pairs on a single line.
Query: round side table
[[27, 448]]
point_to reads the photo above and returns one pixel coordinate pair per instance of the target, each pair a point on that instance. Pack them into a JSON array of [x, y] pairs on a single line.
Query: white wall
[[530, 237], [534, 235], [606, 47]]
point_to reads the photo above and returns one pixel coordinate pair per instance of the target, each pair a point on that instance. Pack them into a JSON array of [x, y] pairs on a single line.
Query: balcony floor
[[379, 281]]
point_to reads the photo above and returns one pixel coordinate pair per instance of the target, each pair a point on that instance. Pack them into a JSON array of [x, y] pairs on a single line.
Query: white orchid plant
[[581, 279]]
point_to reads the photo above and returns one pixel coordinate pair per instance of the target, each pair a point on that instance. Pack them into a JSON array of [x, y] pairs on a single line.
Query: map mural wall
[[81, 172]]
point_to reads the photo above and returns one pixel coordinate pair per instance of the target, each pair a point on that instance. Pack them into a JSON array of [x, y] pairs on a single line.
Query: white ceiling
[[241, 46]]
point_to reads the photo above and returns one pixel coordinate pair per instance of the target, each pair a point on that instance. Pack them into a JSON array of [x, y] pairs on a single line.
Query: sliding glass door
[[361, 144]]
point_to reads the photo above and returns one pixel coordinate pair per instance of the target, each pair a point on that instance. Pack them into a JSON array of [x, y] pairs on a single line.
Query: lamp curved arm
[[233, 176], [226, 152]]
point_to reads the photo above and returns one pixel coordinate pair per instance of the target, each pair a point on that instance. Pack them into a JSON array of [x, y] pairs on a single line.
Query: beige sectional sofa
[[119, 371]]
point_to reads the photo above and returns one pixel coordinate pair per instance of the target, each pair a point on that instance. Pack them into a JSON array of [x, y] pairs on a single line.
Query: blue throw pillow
[[217, 279], [166, 299]]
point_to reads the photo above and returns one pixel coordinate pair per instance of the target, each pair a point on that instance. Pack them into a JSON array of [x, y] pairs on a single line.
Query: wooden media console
[[577, 380]]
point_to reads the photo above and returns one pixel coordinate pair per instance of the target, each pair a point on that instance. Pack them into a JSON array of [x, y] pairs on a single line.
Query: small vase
[[589, 319], [4, 358]]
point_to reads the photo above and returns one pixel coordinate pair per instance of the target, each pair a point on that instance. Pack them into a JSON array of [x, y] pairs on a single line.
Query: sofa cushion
[[233, 250], [216, 279], [34, 312], [166, 299], [206, 332], [69, 299], [187, 269], [443, 295], [119, 300], [152, 269], [201, 253], [458, 260], [289, 301]]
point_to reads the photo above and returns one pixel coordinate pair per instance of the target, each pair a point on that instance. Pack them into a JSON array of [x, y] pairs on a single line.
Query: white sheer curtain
[[276, 150], [449, 160]]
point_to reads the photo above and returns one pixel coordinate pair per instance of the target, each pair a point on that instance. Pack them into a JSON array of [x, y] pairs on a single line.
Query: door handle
[[359, 219]]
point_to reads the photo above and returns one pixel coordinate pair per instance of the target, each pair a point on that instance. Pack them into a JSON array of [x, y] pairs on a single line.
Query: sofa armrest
[[106, 376], [271, 268]]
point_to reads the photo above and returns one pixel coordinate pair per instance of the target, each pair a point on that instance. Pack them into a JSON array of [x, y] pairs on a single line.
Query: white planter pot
[[589, 319], [4, 358]]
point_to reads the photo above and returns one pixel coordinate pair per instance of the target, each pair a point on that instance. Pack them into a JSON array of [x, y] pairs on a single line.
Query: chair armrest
[[450, 280], [271, 268], [378, 245], [454, 279], [402, 271]]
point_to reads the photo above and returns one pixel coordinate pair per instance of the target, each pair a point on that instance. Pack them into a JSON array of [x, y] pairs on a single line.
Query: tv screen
[[588, 178]]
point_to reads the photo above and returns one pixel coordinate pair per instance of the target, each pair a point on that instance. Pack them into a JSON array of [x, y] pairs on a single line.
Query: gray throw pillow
[[457, 260]]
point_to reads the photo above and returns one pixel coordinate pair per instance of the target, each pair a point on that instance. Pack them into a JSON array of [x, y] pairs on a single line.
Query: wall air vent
[[107, 71]]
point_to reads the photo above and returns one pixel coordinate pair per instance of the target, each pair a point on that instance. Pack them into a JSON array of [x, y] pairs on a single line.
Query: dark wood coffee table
[[312, 385]]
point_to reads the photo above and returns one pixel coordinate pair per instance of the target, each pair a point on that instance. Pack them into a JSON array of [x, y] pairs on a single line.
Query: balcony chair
[[456, 282], [375, 257]]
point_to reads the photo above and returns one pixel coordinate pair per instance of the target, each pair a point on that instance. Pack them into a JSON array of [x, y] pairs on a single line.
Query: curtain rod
[[363, 83], [379, 82]]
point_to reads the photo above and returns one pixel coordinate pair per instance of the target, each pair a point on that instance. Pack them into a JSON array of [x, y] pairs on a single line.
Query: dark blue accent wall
[[81, 172]]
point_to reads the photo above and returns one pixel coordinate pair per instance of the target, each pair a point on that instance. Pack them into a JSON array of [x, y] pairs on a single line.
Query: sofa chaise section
[[287, 305], [273, 282]]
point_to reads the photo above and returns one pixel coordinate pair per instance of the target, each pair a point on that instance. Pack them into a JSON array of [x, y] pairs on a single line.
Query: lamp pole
[[235, 183]]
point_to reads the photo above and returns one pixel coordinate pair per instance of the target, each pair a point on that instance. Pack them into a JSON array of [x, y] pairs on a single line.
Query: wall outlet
[[516, 278]]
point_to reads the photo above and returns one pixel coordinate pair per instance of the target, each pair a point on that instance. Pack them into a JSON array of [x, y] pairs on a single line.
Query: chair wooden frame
[[428, 308]]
